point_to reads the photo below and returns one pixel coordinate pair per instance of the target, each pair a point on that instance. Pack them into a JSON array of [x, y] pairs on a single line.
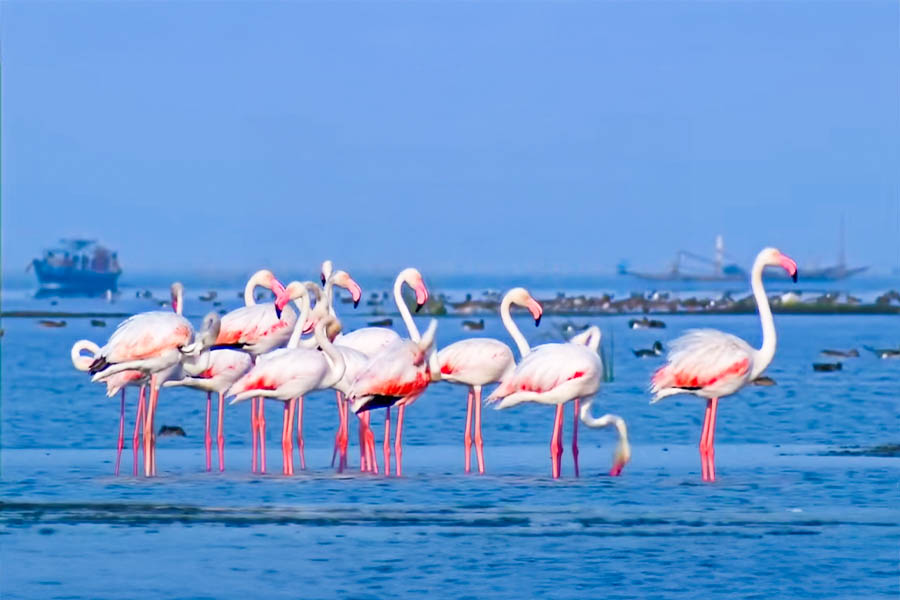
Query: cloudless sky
[[453, 136]]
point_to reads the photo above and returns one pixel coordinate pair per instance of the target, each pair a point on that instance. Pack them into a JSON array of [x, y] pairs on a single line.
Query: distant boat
[[733, 272], [77, 266]]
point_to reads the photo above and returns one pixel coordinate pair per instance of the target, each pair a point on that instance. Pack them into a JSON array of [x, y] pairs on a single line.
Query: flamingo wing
[[704, 360], [549, 366], [368, 340], [284, 374], [249, 325], [476, 361], [399, 371], [146, 335]]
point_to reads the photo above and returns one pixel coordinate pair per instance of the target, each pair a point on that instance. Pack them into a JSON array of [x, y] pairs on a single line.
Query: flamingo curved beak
[[421, 295], [355, 292], [322, 277], [536, 311], [788, 265], [281, 297]]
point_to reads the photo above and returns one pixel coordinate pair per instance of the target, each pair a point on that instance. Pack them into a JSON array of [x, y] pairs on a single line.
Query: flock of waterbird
[[269, 351]]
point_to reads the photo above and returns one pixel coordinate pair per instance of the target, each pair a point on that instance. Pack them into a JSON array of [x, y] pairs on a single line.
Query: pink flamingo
[[225, 367], [121, 380], [558, 373], [477, 362], [155, 343], [291, 373], [257, 329], [371, 341], [712, 364]]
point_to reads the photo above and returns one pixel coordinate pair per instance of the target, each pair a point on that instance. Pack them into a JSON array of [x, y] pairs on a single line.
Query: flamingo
[[372, 340], [257, 329], [121, 380], [156, 343], [558, 373], [477, 362], [396, 375], [225, 367], [712, 364], [291, 373]]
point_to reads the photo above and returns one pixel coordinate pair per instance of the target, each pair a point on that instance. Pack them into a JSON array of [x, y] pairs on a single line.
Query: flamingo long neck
[[767, 351], [334, 357], [329, 295], [301, 300], [80, 362], [179, 301], [404, 310], [513, 329], [257, 279]]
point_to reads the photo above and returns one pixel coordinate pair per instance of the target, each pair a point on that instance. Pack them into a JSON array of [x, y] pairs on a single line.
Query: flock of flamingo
[[269, 351]]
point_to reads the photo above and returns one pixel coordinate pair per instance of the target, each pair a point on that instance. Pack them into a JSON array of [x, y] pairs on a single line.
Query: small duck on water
[[884, 352], [646, 323], [852, 353], [655, 350], [473, 325], [827, 367]]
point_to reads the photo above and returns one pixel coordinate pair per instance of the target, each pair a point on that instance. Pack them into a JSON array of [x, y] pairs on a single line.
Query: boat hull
[[71, 280]]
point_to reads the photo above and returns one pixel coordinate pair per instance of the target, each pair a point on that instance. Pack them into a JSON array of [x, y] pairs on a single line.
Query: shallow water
[[785, 519]]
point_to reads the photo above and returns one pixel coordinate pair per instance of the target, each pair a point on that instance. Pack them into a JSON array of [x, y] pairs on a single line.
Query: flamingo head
[[775, 258], [522, 297], [413, 279], [327, 268], [343, 279]]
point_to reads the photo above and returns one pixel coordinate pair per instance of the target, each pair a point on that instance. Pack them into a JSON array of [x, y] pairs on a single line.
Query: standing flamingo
[[555, 374], [712, 364], [121, 380], [477, 362], [257, 329], [291, 373], [155, 343], [372, 340]]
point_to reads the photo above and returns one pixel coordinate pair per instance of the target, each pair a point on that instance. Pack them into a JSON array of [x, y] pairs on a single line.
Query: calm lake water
[[787, 518]]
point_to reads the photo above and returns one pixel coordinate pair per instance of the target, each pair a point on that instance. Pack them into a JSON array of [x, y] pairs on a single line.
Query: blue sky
[[454, 136]]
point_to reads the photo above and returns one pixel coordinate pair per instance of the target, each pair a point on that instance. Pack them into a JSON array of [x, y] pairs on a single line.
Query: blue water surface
[[788, 517]]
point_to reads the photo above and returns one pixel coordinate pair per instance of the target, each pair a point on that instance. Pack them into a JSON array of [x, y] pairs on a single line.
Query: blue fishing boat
[[77, 266]]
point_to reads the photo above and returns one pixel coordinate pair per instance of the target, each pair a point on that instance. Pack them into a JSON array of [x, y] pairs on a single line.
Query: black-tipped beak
[[322, 277], [794, 276], [419, 307], [537, 321], [278, 312], [355, 303]]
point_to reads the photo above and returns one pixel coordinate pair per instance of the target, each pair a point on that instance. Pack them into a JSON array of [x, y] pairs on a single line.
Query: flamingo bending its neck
[[556, 374], [476, 362], [712, 364]]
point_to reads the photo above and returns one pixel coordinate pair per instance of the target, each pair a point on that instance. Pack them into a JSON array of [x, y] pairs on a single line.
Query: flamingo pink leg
[[138, 425], [207, 439], [556, 449], [148, 429], [293, 409], [371, 458], [121, 443], [387, 440], [345, 439], [300, 444], [479, 442], [220, 434], [261, 422], [254, 432], [703, 435], [575, 438], [363, 447], [467, 437], [711, 437], [398, 443], [287, 447], [337, 436]]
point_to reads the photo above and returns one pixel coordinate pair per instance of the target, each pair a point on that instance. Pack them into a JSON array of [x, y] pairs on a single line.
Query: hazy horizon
[[456, 137]]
